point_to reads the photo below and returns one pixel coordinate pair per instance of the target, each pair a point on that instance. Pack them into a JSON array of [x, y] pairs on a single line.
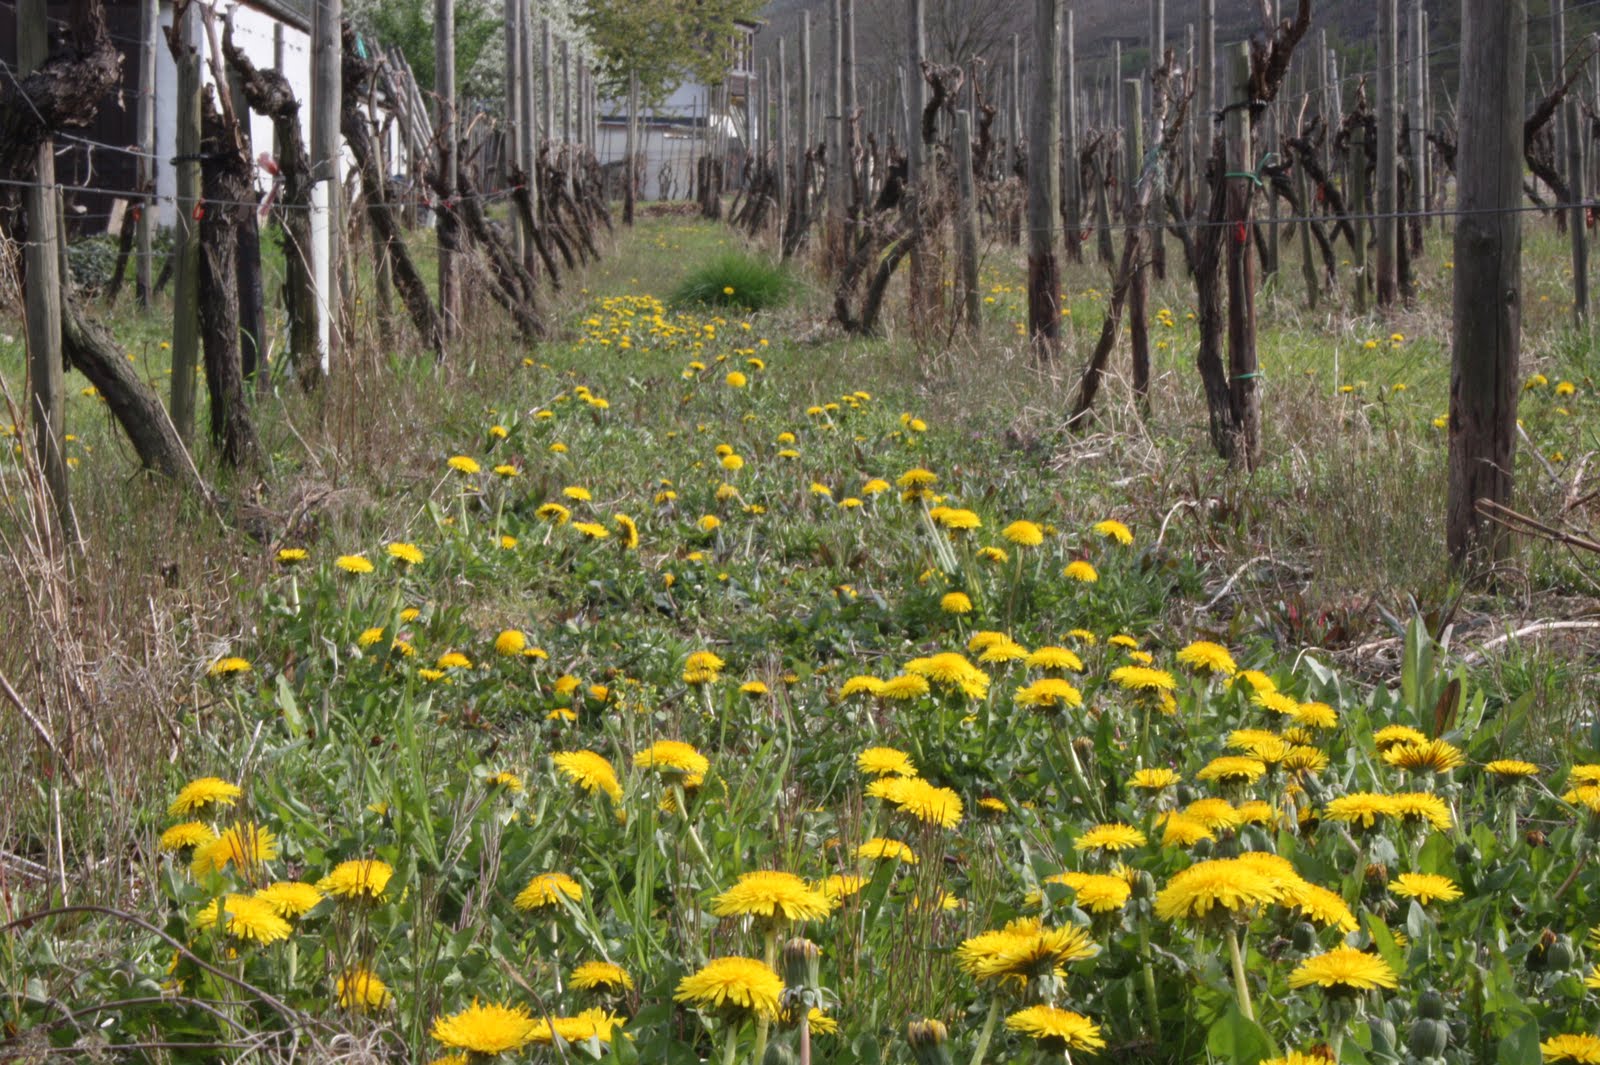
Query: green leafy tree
[[409, 24], [662, 42]]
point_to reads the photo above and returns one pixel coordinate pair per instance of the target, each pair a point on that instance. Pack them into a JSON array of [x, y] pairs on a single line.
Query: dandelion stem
[[694, 836], [1151, 1005], [987, 1033], [1241, 985], [730, 1049], [769, 951]]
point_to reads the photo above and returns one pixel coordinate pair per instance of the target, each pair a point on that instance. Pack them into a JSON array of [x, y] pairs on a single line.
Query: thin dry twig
[[39, 728]]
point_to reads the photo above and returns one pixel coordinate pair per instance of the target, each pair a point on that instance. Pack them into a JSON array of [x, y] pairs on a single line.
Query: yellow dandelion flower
[[1024, 533], [1080, 571], [879, 848], [409, 554], [773, 895], [1344, 971], [672, 757], [245, 845], [203, 796], [359, 880], [1203, 656], [1057, 1030], [290, 898], [1425, 887], [601, 976], [189, 835], [883, 761], [487, 1030], [739, 985], [548, 889], [359, 988], [1111, 529]]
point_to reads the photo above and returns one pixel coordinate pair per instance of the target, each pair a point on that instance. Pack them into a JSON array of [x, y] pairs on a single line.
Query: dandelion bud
[[1144, 885], [1559, 954], [1377, 874], [1429, 1038], [779, 1054], [1304, 937], [800, 963], [928, 1040], [1383, 1036]]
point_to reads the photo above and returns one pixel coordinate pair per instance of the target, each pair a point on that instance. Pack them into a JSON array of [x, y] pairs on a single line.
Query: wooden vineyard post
[[1072, 179], [444, 78], [917, 181], [528, 141], [1417, 127], [1044, 184], [252, 298], [914, 93], [1308, 264], [149, 29], [1571, 111], [186, 239], [513, 114], [970, 301], [1134, 216], [42, 259], [326, 191], [836, 172], [780, 158], [802, 169], [857, 177], [1358, 210], [1385, 224], [1205, 100], [1243, 373], [629, 168], [1152, 137], [1488, 279]]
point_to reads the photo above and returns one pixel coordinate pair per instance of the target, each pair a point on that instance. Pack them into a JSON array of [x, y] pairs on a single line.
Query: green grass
[[346, 751], [739, 280]]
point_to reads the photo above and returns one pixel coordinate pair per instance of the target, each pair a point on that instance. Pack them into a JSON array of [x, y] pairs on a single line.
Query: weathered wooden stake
[[1386, 225], [149, 28], [1152, 137], [1488, 278], [327, 193], [1358, 210], [1205, 101], [1243, 372], [630, 167], [1044, 184], [513, 115], [780, 158], [186, 238], [1072, 177], [444, 90], [1571, 111], [970, 302], [42, 258], [1417, 126], [1133, 215], [914, 89]]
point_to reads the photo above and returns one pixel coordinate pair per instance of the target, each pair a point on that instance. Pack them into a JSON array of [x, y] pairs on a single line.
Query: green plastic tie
[[1254, 176]]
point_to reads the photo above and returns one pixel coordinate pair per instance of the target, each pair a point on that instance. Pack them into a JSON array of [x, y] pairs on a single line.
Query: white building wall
[[253, 33]]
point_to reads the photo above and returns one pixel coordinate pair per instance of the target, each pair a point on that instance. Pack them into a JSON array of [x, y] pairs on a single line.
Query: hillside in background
[[963, 28]]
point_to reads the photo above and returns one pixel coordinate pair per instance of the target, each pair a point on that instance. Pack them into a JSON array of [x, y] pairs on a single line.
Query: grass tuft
[[738, 280]]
